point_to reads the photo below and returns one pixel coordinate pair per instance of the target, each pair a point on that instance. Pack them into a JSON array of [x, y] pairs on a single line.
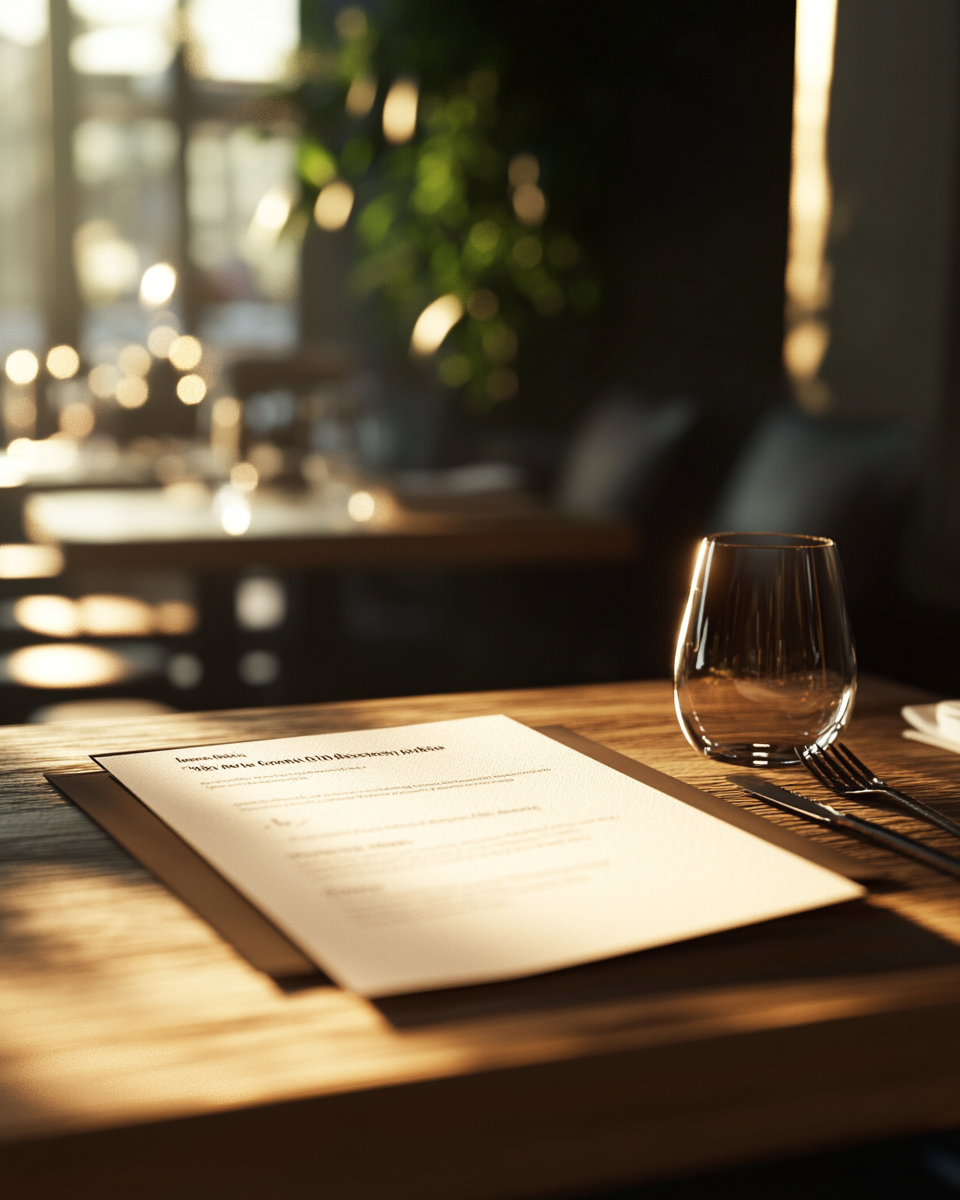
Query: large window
[[146, 177]]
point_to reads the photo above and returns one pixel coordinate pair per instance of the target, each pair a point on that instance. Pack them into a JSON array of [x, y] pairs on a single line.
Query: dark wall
[[685, 111]]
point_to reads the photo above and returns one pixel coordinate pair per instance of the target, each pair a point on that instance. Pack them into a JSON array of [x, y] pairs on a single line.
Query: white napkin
[[935, 724]]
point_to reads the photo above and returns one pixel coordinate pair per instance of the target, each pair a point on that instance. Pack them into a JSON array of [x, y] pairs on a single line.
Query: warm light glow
[[260, 603], [400, 112], [20, 412], [235, 518], [11, 474], [63, 362], [103, 615], [161, 339], [226, 412], [23, 561], [360, 97], [434, 323], [52, 616], [523, 168], [804, 348], [108, 266], [334, 206], [530, 204], [114, 616], [247, 41], [191, 389], [157, 285], [185, 352], [122, 50], [132, 392], [23, 21], [77, 420], [103, 380], [274, 209], [361, 506], [267, 458], [22, 366], [175, 617], [244, 477], [808, 273], [66, 666], [134, 360]]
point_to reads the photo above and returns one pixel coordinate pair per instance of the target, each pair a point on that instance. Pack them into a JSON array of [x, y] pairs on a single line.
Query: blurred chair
[[845, 481], [619, 452]]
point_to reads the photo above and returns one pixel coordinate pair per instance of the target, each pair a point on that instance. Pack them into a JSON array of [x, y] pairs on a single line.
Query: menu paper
[[462, 852]]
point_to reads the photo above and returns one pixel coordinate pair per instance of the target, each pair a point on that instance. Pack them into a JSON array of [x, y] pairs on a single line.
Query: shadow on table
[[853, 940], [918, 1168]]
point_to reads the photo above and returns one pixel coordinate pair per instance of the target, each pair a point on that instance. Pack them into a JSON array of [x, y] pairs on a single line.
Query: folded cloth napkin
[[935, 724]]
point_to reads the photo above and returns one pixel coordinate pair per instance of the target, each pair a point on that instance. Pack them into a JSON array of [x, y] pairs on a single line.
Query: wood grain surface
[[140, 1055]]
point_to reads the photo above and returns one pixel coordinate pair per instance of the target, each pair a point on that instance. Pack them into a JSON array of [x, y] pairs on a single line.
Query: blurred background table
[[354, 589], [139, 1053], [160, 528]]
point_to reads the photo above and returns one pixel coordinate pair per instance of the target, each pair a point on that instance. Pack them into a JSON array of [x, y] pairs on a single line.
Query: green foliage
[[460, 207]]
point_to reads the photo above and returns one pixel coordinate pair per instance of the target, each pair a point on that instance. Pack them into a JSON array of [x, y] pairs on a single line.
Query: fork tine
[[866, 774], [847, 778], [821, 768]]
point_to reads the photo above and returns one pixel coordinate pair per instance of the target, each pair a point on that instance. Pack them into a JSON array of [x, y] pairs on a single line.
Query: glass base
[[755, 754]]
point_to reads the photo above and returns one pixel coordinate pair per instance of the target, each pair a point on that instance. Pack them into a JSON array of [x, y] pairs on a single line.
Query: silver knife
[[827, 815]]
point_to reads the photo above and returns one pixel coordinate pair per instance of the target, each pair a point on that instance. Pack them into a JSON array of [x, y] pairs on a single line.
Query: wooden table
[[139, 1055], [144, 528]]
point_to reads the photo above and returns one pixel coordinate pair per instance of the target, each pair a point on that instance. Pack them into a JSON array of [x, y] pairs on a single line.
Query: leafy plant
[[457, 205]]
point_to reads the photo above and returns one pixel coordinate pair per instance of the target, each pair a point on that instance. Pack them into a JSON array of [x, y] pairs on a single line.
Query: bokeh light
[[523, 168], [161, 339], [185, 352], [107, 615], [235, 518], [804, 348], [103, 380], [226, 412], [273, 209], [334, 206], [244, 476], [134, 360], [158, 284], [132, 392], [22, 366], [175, 617], [434, 323], [63, 362], [529, 204], [20, 560], [66, 666], [191, 389], [400, 112], [361, 96], [77, 420], [361, 506], [52, 616], [260, 603]]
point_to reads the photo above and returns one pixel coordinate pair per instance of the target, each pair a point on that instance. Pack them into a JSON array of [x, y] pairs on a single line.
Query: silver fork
[[839, 769]]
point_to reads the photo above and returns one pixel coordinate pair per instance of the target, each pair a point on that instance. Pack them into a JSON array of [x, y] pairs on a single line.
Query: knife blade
[[826, 814]]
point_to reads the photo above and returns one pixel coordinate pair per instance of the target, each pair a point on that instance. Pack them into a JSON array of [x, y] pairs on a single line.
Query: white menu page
[[462, 851]]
